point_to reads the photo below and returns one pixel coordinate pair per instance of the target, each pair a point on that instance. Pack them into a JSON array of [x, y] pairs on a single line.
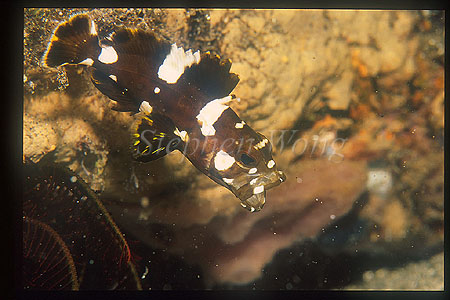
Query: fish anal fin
[[153, 137]]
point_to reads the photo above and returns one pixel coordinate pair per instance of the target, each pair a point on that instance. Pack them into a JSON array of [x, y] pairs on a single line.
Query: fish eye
[[247, 160]]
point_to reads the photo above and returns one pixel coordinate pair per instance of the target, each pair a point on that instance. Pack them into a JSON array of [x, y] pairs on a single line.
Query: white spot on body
[[108, 55], [258, 189], [261, 144], [252, 171], [146, 107], [228, 180], [113, 77], [270, 164], [73, 179], [281, 175], [175, 62], [157, 90], [210, 113], [239, 125], [253, 181], [182, 134], [223, 161], [87, 62]]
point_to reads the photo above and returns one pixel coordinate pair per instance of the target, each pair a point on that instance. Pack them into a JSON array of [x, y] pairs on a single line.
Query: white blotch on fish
[[108, 55], [146, 107], [239, 125], [223, 161], [210, 113], [175, 62]]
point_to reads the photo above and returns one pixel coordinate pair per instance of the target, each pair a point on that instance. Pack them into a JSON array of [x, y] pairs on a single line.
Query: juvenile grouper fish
[[181, 103]]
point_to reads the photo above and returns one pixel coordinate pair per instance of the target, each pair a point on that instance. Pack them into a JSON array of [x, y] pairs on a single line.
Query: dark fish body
[[181, 103]]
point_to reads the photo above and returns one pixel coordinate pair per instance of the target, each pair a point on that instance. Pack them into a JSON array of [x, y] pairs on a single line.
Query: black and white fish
[[181, 103]]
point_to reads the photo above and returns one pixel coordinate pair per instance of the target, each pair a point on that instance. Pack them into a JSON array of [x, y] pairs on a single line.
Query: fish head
[[252, 172]]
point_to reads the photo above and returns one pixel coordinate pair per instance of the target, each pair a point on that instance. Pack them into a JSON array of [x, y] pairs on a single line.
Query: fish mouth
[[253, 193]]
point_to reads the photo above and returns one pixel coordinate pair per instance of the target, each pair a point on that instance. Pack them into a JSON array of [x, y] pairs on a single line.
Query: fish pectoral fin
[[153, 136], [109, 86]]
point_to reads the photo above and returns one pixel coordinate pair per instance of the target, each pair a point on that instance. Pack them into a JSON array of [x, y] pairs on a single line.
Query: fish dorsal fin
[[139, 50], [147, 53], [153, 136], [212, 76], [138, 55]]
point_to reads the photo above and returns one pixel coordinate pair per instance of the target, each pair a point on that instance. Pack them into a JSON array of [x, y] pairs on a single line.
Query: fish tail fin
[[73, 42]]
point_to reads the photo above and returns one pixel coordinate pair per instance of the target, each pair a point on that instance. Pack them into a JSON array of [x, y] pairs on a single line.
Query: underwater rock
[[424, 275], [235, 248], [296, 211], [58, 122], [38, 138]]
